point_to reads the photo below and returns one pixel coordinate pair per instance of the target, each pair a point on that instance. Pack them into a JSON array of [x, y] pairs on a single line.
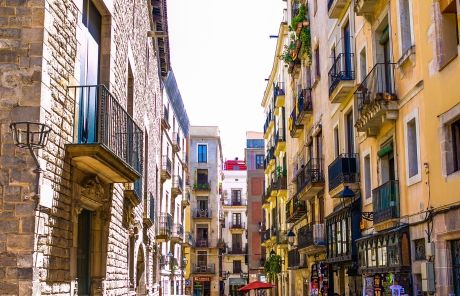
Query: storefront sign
[[237, 281], [202, 279]]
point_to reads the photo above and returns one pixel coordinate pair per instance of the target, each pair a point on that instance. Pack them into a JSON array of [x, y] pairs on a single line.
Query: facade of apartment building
[[366, 101], [170, 233], [234, 228], [205, 167], [254, 157], [80, 112]]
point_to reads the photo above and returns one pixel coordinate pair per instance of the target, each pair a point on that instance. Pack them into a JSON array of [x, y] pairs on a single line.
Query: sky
[[221, 54]]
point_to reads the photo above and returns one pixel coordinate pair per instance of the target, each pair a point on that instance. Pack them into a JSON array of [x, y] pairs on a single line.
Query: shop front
[[235, 284], [342, 230], [385, 262], [201, 286], [319, 279]]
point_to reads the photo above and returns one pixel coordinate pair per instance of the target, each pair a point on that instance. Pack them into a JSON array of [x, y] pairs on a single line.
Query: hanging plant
[[272, 267], [305, 38], [299, 18]]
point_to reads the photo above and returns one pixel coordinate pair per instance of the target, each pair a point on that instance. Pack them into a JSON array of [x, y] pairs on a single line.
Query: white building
[[234, 231]]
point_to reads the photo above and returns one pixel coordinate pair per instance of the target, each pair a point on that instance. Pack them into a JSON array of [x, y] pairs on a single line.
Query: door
[[202, 236], [347, 51], [83, 253], [385, 43], [89, 72]]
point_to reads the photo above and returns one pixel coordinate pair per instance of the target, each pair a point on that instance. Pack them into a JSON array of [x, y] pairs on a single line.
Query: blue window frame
[[202, 153], [259, 161]]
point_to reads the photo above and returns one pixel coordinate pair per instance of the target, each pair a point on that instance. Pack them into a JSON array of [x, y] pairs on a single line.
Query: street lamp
[[347, 192], [272, 253]]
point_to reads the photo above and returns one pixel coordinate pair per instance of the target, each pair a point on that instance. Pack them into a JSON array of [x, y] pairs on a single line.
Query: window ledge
[[407, 56], [414, 179], [444, 65], [453, 175]]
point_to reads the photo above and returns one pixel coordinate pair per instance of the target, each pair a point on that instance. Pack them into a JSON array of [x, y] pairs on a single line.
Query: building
[[205, 257], [234, 229], [254, 157], [81, 99], [170, 234], [274, 226]]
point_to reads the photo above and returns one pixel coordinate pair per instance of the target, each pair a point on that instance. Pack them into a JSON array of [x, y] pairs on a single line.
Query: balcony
[[295, 209], [295, 129], [304, 106], [237, 227], [202, 243], [203, 268], [269, 124], [311, 238], [343, 171], [177, 233], [109, 142], [377, 99], [203, 186], [335, 8], [165, 118], [202, 214], [365, 7], [177, 186], [279, 93], [265, 237], [280, 141], [166, 167], [188, 240], [235, 202], [310, 179], [296, 260], [236, 250], [341, 77], [279, 184], [165, 222], [281, 238], [385, 200], [176, 142], [184, 159], [273, 231], [185, 199]]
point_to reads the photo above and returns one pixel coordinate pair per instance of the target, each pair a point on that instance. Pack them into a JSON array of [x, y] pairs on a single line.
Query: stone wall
[[39, 49]]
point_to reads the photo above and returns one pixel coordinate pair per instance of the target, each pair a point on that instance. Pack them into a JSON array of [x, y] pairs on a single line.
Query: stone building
[[206, 176], [87, 70]]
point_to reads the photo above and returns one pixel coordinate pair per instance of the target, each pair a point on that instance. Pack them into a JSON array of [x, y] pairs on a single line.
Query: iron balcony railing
[[188, 237], [165, 222], [237, 225], [166, 164], [342, 70], [274, 229], [280, 183], [344, 169], [103, 120], [236, 250], [265, 235], [385, 200], [178, 183], [311, 235], [202, 185], [235, 202], [295, 260], [309, 174], [280, 136], [304, 103], [279, 89], [176, 141], [295, 209], [202, 213], [202, 243], [177, 230], [203, 268], [268, 120], [164, 261], [379, 85]]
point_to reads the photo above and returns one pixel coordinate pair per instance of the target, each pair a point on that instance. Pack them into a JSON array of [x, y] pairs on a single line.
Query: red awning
[[257, 285]]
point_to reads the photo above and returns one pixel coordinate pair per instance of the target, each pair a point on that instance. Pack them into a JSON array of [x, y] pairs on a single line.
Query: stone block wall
[[39, 50]]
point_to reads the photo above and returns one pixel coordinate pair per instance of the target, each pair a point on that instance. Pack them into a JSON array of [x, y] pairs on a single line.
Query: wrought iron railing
[[202, 213], [237, 225], [379, 85], [342, 70], [235, 202], [344, 169], [280, 136], [202, 243], [165, 222], [236, 250], [166, 164], [202, 185], [203, 268], [177, 230], [295, 209], [311, 235], [304, 103], [385, 200], [311, 173], [103, 120], [177, 182], [295, 259], [280, 183]]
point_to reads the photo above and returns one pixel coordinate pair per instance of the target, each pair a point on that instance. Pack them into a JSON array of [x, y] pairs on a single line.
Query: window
[[455, 130], [202, 258], [363, 64], [449, 39], [237, 243], [455, 247], [236, 196], [254, 143], [202, 153], [412, 148], [350, 133], [236, 220], [236, 266], [259, 161], [405, 25], [317, 65], [202, 177], [336, 141], [367, 177]]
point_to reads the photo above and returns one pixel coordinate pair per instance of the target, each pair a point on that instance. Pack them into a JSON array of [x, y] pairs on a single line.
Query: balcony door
[[202, 235], [89, 71], [202, 259], [347, 50], [350, 133], [237, 242], [84, 253], [387, 161], [386, 48], [236, 219]]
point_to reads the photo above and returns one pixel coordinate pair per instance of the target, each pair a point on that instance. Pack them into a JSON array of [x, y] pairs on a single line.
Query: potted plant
[[272, 267]]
